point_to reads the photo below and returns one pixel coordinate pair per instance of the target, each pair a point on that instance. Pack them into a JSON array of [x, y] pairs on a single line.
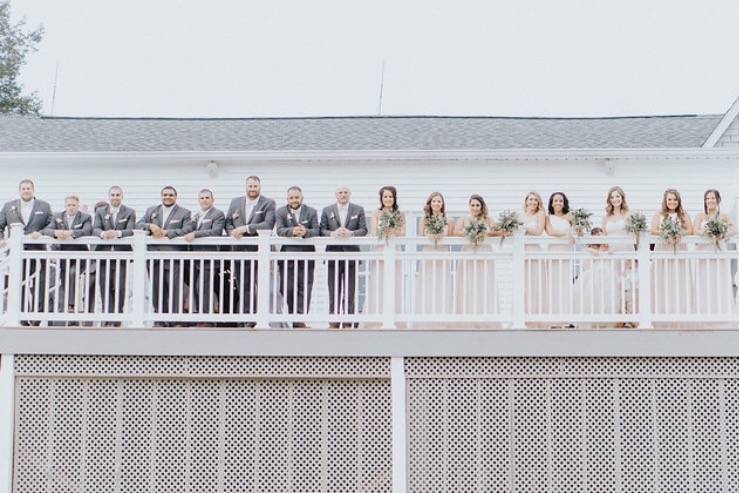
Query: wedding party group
[[466, 286]]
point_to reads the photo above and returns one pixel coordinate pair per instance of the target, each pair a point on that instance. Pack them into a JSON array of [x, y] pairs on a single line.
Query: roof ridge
[[378, 117]]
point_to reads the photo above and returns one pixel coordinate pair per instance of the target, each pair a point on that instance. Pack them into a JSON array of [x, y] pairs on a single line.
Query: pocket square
[[355, 216], [39, 212], [206, 220], [77, 226], [258, 212], [175, 220], [123, 220], [304, 222]]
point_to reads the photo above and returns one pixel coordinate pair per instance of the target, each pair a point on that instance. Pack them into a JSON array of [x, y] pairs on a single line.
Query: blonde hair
[[538, 198], [72, 197], [624, 204]]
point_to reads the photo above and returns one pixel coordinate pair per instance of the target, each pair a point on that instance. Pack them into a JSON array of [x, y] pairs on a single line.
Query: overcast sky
[[320, 57]]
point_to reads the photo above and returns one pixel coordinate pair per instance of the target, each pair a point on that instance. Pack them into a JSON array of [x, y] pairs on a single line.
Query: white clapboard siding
[[503, 183]]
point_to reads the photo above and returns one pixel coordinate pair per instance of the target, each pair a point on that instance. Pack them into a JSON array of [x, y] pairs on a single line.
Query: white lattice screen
[[573, 425], [169, 424]]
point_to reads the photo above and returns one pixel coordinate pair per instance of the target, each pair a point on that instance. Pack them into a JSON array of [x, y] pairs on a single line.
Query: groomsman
[[246, 215], [69, 225], [296, 220], [34, 214], [342, 220], [208, 222], [167, 220], [112, 221]]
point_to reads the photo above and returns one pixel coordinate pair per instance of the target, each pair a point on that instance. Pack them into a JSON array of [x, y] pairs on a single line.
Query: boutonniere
[[58, 220], [235, 215], [107, 217], [154, 215], [12, 208]]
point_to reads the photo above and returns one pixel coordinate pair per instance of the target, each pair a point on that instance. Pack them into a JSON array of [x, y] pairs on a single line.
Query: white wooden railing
[[402, 283]]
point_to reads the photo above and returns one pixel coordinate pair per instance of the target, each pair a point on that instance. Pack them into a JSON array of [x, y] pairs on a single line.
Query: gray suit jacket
[[81, 226], [286, 221], [356, 222], [262, 215], [125, 223], [211, 225], [11, 213], [175, 225]]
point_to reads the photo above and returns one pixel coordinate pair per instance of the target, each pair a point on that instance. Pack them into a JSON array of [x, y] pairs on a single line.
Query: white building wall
[[504, 183]]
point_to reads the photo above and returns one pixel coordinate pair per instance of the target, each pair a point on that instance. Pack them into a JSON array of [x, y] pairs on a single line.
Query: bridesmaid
[[559, 271], [476, 293], [614, 224], [714, 293], [671, 280], [534, 220], [388, 203], [434, 283]]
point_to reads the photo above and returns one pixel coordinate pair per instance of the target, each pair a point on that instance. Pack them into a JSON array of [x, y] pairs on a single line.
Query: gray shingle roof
[[351, 133]]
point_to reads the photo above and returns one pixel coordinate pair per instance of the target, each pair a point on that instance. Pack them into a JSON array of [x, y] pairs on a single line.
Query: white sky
[[324, 57]]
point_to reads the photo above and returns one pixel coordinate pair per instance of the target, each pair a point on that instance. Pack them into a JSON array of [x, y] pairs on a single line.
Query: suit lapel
[[203, 218], [254, 209], [348, 215], [33, 212], [17, 210], [172, 213]]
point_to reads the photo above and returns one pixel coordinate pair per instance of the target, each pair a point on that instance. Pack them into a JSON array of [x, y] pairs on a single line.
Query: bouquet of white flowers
[[581, 221], [388, 223], [671, 230], [717, 229], [475, 231], [636, 223], [507, 222], [435, 226]]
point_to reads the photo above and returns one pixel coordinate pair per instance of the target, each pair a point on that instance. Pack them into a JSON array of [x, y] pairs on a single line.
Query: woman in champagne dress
[[476, 285], [624, 271], [714, 292], [559, 270], [535, 279], [434, 280], [375, 270], [672, 286]]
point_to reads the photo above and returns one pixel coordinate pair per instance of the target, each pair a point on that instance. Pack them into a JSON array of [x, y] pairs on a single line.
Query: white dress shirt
[[70, 220], [249, 205], [166, 211], [114, 214], [202, 216], [26, 209], [343, 212]]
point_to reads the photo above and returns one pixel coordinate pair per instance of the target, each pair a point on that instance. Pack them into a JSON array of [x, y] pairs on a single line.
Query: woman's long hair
[[483, 209], [538, 199], [679, 209], [565, 207], [718, 201], [394, 192], [427, 208], [609, 206]]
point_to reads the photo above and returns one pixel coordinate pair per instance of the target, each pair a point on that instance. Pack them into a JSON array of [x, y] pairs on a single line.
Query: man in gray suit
[[342, 220], [209, 222], [167, 220], [112, 221], [69, 225], [296, 220], [34, 214], [246, 215]]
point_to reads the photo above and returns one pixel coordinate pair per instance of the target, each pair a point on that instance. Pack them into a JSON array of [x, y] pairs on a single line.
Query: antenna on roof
[[53, 93], [382, 83]]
